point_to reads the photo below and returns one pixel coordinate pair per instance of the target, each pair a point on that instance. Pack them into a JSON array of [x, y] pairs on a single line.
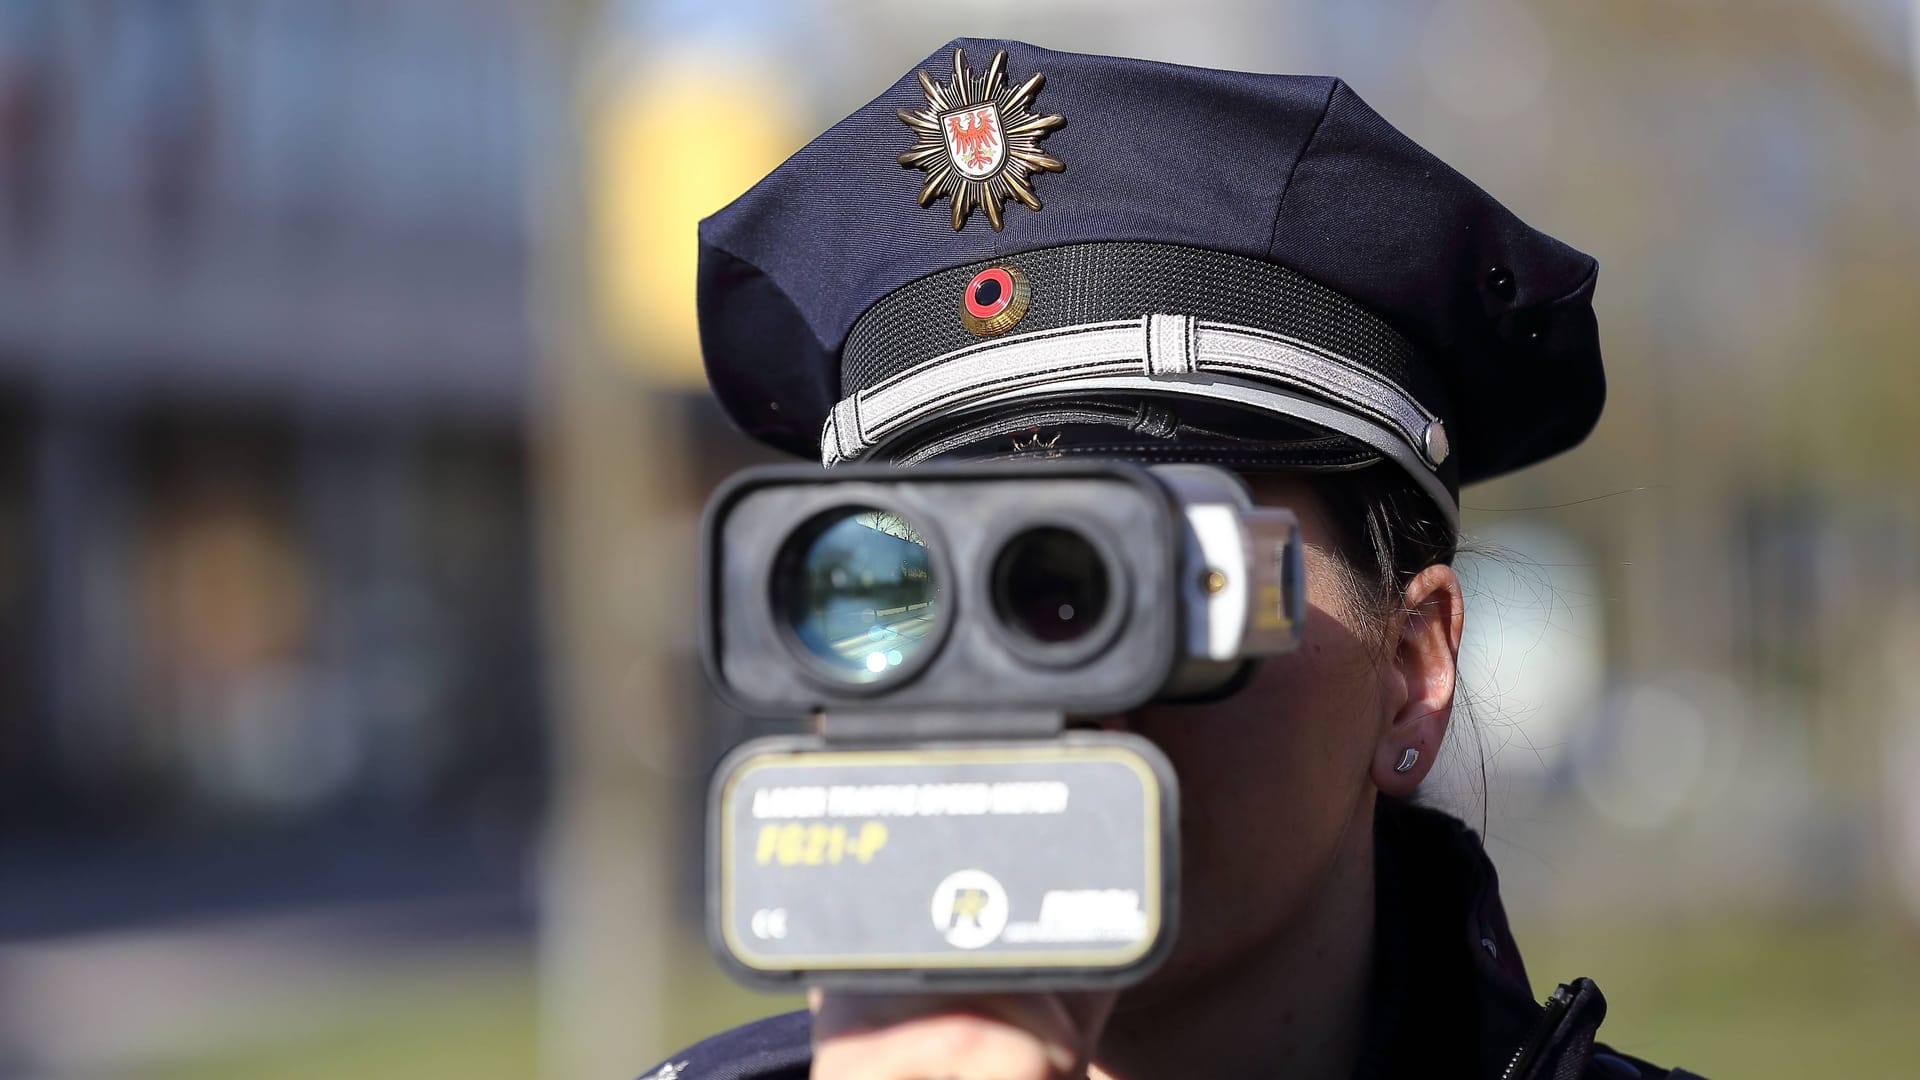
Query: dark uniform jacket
[[1450, 997]]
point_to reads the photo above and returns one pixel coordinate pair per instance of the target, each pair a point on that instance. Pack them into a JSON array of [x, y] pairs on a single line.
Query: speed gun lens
[[859, 592], [1050, 585]]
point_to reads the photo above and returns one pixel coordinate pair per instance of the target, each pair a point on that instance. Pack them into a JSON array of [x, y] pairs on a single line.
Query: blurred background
[[353, 438]]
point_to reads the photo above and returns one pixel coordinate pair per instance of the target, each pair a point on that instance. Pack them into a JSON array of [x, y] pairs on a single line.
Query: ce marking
[[769, 924]]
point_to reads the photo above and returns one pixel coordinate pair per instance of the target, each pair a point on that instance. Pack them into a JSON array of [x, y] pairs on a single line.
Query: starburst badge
[[979, 141]]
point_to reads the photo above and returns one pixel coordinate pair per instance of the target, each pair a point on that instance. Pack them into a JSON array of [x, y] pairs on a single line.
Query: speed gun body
[[943, 624]]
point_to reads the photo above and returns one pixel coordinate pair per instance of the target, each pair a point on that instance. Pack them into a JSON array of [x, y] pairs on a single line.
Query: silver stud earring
[[1407, 759]]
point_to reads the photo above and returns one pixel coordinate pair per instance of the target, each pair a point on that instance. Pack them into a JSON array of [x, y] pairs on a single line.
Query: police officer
[[1019, 253]]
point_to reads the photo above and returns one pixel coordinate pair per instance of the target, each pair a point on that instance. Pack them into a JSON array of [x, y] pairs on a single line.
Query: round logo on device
[[969, 909]]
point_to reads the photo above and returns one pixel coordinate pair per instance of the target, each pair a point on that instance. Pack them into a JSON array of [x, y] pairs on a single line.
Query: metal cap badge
[[978, 141]]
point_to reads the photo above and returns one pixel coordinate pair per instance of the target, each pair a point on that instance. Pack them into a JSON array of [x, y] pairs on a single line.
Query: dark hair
[[1388, 529]]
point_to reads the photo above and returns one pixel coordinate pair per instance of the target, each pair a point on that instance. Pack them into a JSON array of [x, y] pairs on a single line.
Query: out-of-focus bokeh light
[[1532, 656], [674, 137]]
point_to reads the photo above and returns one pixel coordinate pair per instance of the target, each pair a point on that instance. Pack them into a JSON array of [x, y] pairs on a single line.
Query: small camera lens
[[859, 592], [1050, 585]]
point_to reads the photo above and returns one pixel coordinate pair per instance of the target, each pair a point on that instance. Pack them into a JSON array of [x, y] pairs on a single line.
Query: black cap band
[[1105, 327]]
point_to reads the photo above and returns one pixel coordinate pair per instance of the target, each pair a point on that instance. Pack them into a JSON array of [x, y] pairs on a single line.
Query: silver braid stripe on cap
[[1159, 354]]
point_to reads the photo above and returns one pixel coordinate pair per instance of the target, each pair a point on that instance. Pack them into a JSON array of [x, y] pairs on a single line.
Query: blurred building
[[265, 552]]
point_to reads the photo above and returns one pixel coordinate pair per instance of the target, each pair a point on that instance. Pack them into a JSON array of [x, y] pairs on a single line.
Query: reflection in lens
[[1050, 585], [859, 592]]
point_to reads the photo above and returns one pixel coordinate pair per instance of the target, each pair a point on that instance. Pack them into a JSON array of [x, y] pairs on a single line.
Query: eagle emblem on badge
[[979, 141]]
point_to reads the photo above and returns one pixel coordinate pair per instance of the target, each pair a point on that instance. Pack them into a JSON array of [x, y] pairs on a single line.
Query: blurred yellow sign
[[669, 144]]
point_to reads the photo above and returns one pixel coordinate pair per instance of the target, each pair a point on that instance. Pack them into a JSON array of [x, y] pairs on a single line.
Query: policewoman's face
[[1275, 780]]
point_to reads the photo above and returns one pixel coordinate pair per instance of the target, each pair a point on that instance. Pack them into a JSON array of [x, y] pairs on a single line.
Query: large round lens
[[859, 591], [1050, 585]]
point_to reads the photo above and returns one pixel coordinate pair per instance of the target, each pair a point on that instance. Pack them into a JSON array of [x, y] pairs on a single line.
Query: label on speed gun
[[973, 864]]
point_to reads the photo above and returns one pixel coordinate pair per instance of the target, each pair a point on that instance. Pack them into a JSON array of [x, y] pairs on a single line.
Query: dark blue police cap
[[1020, 251]]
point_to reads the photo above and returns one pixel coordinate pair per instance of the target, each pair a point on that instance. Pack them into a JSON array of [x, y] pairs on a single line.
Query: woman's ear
[[1424, 637]]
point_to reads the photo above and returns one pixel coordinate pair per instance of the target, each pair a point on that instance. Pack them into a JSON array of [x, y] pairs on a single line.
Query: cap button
[[1436, 442], [1500, 282]]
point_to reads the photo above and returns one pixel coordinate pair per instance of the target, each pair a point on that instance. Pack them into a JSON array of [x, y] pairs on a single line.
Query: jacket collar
[[1449, 983]]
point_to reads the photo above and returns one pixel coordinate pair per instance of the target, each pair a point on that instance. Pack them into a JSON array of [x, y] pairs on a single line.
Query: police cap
[[1014, 250]]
